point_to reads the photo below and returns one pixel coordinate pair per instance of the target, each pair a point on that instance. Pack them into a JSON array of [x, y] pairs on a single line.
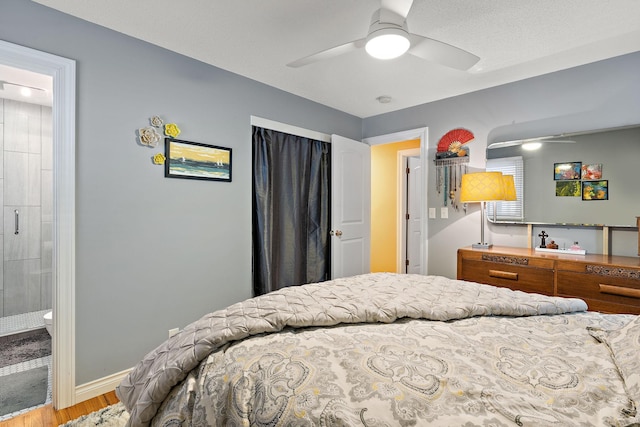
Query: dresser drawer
[[604, 288], [506, 259], [607, 283], [513, 276]]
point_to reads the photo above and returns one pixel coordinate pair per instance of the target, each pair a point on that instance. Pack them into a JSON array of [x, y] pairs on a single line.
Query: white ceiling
[[515, 39]]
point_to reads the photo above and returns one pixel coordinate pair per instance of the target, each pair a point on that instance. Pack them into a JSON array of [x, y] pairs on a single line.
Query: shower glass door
[[26, 194]]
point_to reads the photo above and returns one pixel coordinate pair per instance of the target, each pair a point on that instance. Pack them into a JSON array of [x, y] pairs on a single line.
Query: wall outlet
[[432, 213], [444, 212], [173, 331]]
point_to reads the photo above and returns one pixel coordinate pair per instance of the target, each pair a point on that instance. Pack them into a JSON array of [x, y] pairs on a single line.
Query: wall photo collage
[[574, 179]]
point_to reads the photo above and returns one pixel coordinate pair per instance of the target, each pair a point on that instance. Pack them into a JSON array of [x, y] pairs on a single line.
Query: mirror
[[602, 191]]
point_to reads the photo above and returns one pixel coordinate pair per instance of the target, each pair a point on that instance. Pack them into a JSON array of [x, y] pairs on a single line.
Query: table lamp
[[509, 188], [509, 193], [482, 187]]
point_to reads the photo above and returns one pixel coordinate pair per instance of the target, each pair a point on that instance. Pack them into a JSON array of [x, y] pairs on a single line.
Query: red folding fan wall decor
[[452, 144], [451, 161]]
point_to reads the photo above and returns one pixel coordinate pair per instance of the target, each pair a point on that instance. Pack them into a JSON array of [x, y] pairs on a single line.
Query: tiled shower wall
[[26, 162]]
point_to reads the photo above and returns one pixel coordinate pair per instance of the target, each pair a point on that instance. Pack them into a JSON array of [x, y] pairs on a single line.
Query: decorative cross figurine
[[543, 236]]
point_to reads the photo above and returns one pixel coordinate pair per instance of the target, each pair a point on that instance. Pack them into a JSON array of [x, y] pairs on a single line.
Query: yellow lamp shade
[[509, 188], [481, 187]]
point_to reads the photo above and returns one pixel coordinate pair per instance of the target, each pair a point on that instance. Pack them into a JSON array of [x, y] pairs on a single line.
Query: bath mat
[[111, 416], [23, 390], [24, 346]]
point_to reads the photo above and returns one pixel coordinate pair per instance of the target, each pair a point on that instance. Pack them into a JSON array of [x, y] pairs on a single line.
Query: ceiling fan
[[388, 38]]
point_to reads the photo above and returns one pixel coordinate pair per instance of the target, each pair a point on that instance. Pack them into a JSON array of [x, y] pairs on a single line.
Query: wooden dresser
[[606, 283]]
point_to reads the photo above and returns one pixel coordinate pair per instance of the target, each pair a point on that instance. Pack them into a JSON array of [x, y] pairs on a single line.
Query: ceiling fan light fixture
[[531, 146], [24, 90], [387, 43]]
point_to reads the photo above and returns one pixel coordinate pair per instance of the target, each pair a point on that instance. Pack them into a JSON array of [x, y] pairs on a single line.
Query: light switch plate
[[432, 213], [444, 212]]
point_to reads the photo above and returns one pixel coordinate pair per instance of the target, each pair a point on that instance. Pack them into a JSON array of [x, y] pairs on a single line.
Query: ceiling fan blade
[[503, 144], [329, 53], [554, 138], [442, 53], [400, 7]]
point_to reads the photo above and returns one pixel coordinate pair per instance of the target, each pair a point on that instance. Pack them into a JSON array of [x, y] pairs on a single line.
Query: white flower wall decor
[[149, 136]]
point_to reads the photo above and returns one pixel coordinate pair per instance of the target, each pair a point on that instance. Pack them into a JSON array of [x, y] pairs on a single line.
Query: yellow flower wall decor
[[159, 159], [172, 130]]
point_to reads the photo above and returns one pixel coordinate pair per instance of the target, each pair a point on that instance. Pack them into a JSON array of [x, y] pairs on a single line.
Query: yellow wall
[[384, 186]]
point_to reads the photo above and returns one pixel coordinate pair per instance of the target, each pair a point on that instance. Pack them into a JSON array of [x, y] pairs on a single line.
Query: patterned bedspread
[[386, 350]]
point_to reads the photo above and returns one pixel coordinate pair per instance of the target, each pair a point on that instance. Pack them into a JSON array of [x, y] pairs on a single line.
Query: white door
[[350, 207], [414, 219]]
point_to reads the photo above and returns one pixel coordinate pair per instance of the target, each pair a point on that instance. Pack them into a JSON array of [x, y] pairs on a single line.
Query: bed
[[386, 349]]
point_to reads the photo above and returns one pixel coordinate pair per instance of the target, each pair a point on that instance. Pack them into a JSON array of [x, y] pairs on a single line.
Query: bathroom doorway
[[61, 227], [26, 290]]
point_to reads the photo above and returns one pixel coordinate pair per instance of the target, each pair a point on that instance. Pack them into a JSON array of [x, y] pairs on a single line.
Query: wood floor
[[46, 416]]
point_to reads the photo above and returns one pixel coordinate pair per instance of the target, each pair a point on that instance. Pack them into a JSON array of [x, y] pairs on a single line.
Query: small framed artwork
[[193, 160], [568, 188], [567, 171], [591, 172], [595, 190]]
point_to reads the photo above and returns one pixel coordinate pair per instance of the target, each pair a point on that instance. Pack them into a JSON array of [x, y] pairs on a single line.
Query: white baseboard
[[100, 386]]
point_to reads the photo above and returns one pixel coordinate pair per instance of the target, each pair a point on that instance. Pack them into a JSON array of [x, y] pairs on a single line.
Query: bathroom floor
[[21, 323]]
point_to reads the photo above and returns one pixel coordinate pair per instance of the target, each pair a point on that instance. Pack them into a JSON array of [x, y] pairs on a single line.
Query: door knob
[[338, 233]]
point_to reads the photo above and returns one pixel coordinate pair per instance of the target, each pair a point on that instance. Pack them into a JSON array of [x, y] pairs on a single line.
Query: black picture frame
[[595, 190], [567, 171], [194, 160]]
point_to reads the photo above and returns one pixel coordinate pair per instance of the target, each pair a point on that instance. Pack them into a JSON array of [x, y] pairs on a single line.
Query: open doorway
[[26, 275], [390, 240], [389, 204], [62, 74]]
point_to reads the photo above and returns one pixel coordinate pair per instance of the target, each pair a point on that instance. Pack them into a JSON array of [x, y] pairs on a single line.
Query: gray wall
[[154, 253], [600, 95]]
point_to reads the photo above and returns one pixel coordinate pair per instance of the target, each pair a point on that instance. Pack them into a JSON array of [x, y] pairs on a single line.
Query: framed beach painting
[[595, 190], [567, 171], [194, 160]]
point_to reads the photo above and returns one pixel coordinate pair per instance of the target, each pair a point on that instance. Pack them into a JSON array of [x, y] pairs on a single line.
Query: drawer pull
[[503, 274], [618, 290]]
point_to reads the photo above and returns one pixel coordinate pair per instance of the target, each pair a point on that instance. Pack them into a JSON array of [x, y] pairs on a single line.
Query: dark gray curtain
[[291, 195]]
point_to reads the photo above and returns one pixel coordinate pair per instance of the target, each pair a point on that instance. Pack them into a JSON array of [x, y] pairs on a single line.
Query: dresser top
[[623, 261]]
